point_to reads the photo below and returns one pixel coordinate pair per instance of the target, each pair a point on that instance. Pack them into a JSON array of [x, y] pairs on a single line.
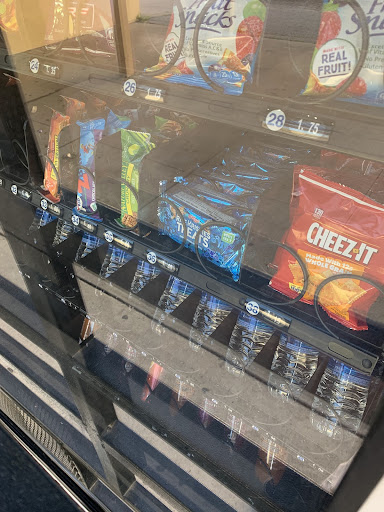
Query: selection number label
[[109, 237], [130, 87], [252, 308], [152, 258], [275, 120], [34, 65], [75, 220]]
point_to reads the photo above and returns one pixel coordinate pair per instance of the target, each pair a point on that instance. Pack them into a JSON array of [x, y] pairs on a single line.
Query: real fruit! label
[[228, 40], [337, 51]]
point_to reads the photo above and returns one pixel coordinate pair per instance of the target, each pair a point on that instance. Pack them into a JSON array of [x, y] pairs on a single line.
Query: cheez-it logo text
[[338, 244]]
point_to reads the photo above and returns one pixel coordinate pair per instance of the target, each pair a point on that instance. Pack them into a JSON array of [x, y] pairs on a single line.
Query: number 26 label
[[275, 120], [130, 87]]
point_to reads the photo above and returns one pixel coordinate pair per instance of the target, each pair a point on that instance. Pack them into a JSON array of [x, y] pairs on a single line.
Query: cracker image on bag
[[335, 230]]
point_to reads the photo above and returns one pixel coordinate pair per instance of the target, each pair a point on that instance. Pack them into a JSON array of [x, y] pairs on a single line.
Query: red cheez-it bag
[[334, 230]]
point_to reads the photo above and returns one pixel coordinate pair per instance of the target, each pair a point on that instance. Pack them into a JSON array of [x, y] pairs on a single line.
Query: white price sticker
[[154, 94], [152, 258], [308, 127], [34, 65], [275, 120], [130, 87]]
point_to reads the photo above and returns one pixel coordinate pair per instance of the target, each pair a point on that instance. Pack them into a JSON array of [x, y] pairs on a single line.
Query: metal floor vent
[[26, 422]]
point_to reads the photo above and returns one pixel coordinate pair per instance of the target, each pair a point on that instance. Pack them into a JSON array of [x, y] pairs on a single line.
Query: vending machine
[[192, 250]]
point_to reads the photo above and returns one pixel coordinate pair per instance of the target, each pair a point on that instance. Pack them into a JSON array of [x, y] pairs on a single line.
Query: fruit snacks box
[[228, 41], [337, 51]]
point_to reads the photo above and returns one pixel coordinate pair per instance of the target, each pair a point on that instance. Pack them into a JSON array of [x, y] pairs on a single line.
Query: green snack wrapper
[[135, 146]]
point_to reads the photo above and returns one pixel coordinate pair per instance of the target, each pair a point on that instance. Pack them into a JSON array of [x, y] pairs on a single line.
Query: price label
[[130, 87], [123, 242], [34, 65], [305, 126], [275, 120], [49, 70], [155, 94], [87, 225], [309, 127], [53, 208], [25, 194]]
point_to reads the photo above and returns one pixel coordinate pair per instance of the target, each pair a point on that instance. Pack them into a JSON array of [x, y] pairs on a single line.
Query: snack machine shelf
[[267, 409], [300, 323], [344, 126]]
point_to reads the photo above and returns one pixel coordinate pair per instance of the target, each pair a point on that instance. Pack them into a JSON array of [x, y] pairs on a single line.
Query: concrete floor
[[24, 485]]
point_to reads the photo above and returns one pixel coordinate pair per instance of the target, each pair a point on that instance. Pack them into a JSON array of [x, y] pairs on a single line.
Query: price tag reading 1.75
[[154, 95], [306, 126]]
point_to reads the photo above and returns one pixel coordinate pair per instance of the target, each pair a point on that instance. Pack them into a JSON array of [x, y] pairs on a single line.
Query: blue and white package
[[222, 245], [88, 244], [63, 230], [91, 133], [41, 219], [228, 40], [114, 260], [115, 123], [229, 191]]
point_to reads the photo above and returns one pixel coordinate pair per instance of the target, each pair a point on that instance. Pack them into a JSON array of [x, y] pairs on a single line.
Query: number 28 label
[[275, 120]]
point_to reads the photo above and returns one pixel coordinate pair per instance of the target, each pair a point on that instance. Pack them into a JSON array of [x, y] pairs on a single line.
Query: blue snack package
[[219, 189], [114, 259], [88, 244], [41, 219], [222, 245], [115, 123], [90, 134], [228, 37]]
